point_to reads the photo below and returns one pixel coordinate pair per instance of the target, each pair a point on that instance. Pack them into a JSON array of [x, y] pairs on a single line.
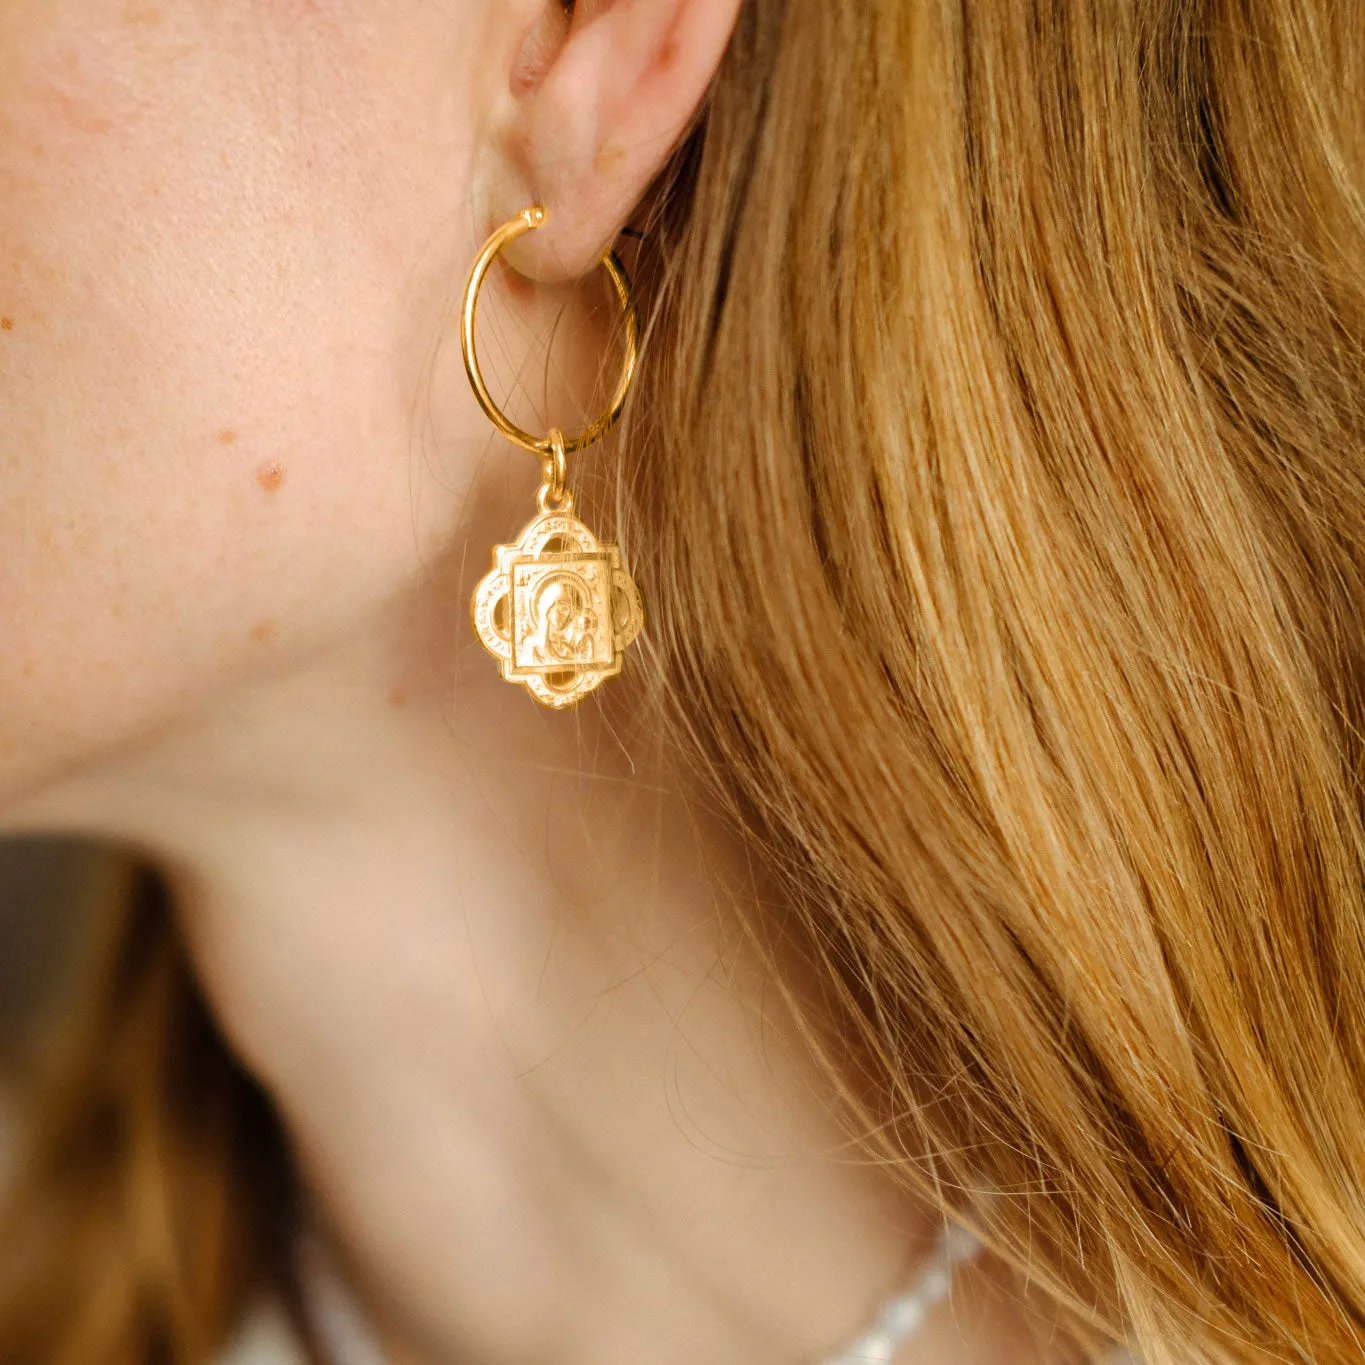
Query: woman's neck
[[488, 962]]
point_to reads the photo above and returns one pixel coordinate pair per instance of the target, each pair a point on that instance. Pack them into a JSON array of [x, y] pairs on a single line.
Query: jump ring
[[527, 219], [554, 493]]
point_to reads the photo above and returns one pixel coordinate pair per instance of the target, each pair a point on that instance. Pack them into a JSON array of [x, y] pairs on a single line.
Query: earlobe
[[600, 97]]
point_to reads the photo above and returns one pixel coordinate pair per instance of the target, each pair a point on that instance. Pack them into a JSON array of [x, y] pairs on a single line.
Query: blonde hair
[[998, 483]]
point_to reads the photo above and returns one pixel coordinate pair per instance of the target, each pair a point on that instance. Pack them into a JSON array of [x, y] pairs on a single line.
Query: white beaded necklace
[[902, 1317], [347, 1339]]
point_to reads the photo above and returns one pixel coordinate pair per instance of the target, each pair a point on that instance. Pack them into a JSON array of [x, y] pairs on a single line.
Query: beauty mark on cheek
[[6, 324]]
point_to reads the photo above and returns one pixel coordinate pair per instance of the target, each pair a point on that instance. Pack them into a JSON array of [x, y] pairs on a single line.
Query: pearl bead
[[902, 1316], [959, 1244], [934, 1285]]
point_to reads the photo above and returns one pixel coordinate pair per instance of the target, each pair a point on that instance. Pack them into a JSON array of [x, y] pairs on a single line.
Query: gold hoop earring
[[559, 607]]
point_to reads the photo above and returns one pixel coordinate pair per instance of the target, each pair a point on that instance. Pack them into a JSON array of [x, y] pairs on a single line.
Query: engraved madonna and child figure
[[559, 608]]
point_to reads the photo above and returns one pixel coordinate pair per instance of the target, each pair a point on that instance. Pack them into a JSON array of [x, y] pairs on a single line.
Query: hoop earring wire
[[524, 222]]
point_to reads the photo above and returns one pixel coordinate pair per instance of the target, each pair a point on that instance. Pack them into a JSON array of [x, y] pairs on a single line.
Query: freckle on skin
[[227, 437], [270, 477], [263, 632], [397, 697], [6, 324], [78, 114]]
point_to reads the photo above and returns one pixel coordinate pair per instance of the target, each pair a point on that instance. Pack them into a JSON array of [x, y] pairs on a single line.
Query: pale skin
[[486, 959]]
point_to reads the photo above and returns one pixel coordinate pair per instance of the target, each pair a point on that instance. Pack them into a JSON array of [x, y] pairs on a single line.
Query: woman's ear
[[600, 94]]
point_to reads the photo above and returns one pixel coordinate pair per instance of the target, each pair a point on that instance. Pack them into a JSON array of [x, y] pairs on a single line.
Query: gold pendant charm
[[558, 610]]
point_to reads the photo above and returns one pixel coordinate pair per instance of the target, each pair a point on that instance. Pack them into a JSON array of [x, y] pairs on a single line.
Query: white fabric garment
[[264, 1338]]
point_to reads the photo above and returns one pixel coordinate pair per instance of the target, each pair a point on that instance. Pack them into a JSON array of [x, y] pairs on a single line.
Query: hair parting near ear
[[995, 475]]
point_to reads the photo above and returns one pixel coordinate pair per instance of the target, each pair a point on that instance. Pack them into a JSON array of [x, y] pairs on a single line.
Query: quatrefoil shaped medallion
[[558, 610]]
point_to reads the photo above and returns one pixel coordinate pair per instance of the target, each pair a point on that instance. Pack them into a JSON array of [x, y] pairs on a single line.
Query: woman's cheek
[[202, 424]]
